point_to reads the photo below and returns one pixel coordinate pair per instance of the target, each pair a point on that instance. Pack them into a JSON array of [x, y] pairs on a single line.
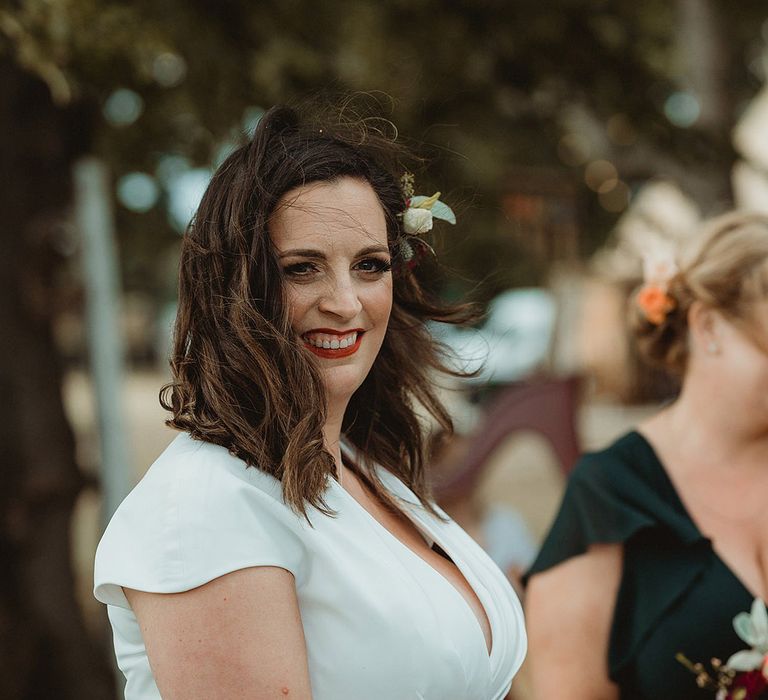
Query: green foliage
[[483, 85]]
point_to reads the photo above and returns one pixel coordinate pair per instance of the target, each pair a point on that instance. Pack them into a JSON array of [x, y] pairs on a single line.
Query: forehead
[[329, 214]]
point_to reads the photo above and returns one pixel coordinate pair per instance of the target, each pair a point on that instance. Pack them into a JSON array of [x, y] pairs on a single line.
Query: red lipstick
[[331, 353]]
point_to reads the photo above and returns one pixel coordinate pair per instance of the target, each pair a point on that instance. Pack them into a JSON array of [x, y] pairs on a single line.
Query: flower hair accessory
[[418, 216], [653, 298], [745, 675]]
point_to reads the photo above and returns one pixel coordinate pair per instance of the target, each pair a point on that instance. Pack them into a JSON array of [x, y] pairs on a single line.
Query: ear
[[705, 326]]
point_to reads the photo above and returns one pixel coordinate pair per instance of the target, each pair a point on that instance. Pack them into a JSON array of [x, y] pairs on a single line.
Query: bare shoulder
[[569, 610], [238, 636]]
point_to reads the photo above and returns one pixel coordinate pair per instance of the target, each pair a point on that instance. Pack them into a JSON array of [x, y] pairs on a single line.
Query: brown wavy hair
[[240, 378], [726, 268]]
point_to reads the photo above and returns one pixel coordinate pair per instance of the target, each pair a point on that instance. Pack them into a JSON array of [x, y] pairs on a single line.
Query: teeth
[[329, 342]]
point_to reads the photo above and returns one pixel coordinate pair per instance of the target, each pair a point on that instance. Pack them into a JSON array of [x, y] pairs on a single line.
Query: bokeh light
[[170, 166], [138, 191], [573, 149], [123, 107], [600, 175], [682, 109], [616, 199], [169, 69], [184, 195]]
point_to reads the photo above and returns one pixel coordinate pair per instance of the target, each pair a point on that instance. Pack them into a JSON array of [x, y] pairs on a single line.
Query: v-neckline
[[428, 533], [680, 505]]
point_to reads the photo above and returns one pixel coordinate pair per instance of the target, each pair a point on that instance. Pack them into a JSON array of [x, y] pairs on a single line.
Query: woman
[[662, 538], [284, 545]]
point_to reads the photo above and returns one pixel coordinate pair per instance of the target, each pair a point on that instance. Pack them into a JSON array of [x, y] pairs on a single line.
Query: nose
[[341, 299]]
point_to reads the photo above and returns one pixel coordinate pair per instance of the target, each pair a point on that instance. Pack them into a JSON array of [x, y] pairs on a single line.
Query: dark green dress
[[676, 594]]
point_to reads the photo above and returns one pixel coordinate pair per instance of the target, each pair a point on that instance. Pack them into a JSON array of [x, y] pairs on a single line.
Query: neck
[[705, 420], [332, 432]]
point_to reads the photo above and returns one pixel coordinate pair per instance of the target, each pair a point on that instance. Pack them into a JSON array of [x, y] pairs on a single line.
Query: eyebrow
[[319, 255]]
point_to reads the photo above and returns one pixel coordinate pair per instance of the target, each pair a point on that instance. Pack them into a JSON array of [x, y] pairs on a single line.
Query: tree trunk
[[45, 650]]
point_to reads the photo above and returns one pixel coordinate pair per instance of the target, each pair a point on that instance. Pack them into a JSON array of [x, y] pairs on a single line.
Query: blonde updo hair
[[726, 268]]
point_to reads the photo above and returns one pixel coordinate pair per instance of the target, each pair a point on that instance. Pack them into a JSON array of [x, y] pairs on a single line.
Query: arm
[[237, 637], [569, 611]]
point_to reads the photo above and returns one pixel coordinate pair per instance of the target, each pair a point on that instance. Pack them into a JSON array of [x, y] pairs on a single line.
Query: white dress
[[379, 622]]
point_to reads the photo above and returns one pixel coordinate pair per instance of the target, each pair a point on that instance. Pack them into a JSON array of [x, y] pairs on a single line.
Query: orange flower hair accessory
[[655, 303], [653, 298]]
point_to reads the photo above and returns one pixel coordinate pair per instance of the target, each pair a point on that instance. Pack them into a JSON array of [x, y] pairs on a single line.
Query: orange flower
[[655, 303]]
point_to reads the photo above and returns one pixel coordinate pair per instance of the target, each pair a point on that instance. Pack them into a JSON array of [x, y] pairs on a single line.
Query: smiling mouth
[[332, 344]]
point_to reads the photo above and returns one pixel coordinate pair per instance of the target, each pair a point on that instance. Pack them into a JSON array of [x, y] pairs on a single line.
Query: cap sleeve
[[597, 508], [612, 496], [622, 495], [198, 514]]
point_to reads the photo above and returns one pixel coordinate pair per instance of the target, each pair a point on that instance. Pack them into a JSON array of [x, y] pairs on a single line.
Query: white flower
[[659, 266], [745, 660], [752, 628], [416, 220]]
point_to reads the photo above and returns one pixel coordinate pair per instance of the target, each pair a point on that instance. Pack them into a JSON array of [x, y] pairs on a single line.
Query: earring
[[713, 348]]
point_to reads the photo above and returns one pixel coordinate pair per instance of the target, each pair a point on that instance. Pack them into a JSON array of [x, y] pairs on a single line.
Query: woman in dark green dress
[[662, 538]]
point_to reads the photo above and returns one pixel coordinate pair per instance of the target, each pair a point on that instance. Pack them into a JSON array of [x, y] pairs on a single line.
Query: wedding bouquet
[[745, 675]]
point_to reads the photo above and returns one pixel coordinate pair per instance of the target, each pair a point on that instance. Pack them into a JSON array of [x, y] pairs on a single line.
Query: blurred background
[[565, 134]]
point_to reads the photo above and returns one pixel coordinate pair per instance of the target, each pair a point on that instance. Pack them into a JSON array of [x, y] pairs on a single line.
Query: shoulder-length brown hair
[[240, 378]]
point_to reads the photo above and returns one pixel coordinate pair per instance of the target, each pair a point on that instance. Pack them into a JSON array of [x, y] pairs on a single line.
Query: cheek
[[380, 303], [297, 304]]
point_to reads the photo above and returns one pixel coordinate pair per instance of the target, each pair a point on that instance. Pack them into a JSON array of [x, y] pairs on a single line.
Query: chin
[[342, 382]]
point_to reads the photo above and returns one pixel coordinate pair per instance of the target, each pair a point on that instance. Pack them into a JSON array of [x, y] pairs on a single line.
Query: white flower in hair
[[659, 265], [421, 210], [416, 221]]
